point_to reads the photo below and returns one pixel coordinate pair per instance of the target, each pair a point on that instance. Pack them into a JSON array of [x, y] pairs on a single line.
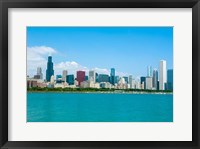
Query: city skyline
[[127, 57], [153, 80], [112, 72]]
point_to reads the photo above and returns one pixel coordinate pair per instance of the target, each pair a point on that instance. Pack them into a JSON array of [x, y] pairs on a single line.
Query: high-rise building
[[137, 84], [80, 77], [39, 72], [162, 75], [112, 76], [130, 81], [149, 71], [149, 82], [170, 79], [52, 80], [103, 78], [70, 79], [126, 79], [97, 77], [36, 76], [105, 85], [142, 86], [92, 76], [58, 78], [116, 79], [122, 83], [49, 71], [86, 78], [64, 76], [155, 79], [143, 81]]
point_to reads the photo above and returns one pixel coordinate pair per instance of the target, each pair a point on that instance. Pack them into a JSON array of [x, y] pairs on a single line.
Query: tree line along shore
[[108, 90]]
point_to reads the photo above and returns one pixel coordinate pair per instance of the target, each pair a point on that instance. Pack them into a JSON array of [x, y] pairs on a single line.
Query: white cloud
[[41, 50], [73, 66], [37, 57], [70, 66], [102, 71]]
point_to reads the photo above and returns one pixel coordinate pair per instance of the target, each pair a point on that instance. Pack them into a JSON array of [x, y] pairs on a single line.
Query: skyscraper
[[162, 75], [80, 77], [103, 78], [149, 83], [92, 75], [149, 71], [130, 81], [86, 78], [39, 72], [70, 79], [58, 78], [64, 76], [97, 77], [36, 76], [116, 79], [49, 71], [112, 76], [170, 79], [52, 80], [143, 81], [126, 79], [155, 79]]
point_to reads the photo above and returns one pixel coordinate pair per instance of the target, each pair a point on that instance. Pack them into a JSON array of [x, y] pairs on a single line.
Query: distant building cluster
[[161, 79]]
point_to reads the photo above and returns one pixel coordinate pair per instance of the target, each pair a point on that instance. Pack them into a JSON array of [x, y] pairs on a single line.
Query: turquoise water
[[94, 107]]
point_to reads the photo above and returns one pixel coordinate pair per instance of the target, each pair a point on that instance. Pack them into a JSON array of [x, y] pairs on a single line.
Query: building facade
[[143, 81], [39, 72], [70, 79], [117, 79], [86, 78], [149, 71], [126, 79], [80, 77], [149, 83], [92, 75], [49, 71], [103, 78], [64, 76], [112, 76], [58, 78], [52, 80], [162, 74], [130, 81], [170, 79], [36, 76], [155, 79]]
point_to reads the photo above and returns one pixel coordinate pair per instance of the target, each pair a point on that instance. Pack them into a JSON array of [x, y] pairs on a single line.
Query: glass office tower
[[49, 71]]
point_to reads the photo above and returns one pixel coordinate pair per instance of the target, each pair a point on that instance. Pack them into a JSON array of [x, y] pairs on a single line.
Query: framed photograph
[[99, 74]]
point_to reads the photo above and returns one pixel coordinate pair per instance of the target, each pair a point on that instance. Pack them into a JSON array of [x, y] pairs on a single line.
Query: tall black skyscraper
[[49, 71]]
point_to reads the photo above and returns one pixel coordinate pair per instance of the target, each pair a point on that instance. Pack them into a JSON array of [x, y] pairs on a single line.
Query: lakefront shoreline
[[101, 92], [97, 90]]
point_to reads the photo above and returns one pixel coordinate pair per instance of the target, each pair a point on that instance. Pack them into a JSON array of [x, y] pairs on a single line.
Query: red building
[[80, 77]]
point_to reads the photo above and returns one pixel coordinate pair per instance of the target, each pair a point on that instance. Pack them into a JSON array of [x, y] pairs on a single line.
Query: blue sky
[[127, 49]]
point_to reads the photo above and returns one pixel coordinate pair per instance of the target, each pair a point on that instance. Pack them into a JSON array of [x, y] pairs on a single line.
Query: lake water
[[96, 107]]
